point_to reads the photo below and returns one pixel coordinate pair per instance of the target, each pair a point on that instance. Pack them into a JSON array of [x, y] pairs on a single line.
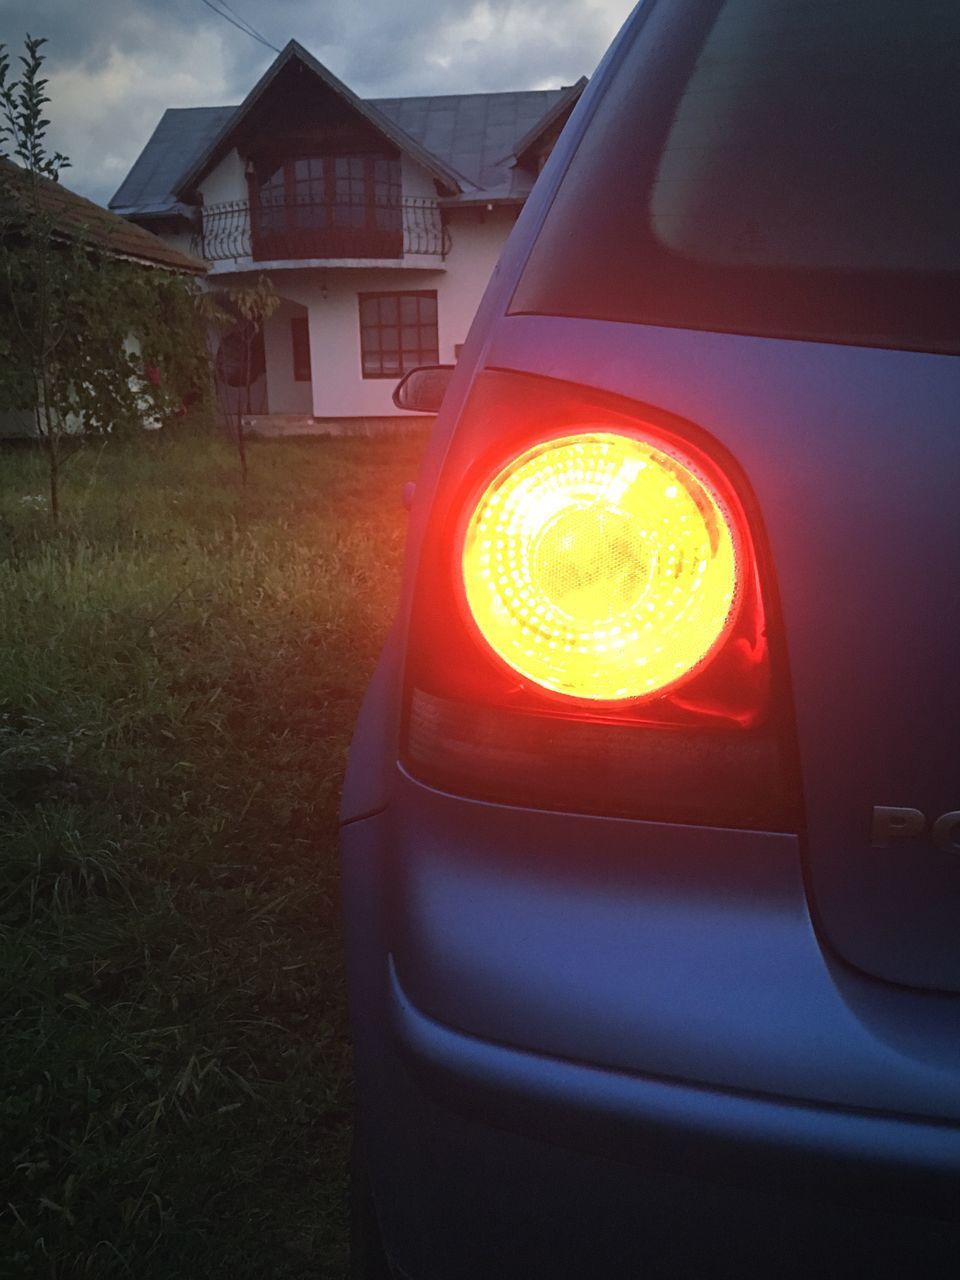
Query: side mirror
[[423, 389]]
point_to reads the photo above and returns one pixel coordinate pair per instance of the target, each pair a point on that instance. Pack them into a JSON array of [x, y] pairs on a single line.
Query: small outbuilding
[[74, 218]]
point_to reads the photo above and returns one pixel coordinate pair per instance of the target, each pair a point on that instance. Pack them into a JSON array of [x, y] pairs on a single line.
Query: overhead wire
[[248, 25], [240, 23]]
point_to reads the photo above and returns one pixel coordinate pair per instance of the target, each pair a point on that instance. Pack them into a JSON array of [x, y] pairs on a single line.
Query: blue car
[[651, 824]]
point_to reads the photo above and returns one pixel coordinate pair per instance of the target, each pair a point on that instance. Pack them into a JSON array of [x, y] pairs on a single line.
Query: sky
[[115, 65]]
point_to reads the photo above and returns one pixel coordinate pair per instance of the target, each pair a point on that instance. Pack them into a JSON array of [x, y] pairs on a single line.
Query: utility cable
[[240, 23]]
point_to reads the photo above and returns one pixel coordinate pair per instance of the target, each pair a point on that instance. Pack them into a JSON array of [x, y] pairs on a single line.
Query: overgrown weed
[[180, 667]]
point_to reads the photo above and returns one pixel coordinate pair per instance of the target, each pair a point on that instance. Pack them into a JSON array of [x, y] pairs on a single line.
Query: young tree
[[78, 324], [239, 314]]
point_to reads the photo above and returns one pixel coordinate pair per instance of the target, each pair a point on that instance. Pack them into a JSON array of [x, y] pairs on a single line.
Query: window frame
[[422, 354]]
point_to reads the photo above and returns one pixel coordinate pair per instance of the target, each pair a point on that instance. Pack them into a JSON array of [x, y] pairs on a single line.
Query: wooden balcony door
[[332, 206]]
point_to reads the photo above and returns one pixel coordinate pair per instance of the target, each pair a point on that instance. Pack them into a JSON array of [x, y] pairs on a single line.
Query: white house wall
[[227, 181], [477, 237], [338, 388], [284, 394], [415, 181]]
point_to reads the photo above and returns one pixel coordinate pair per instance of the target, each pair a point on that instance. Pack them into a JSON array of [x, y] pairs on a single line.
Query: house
[[378, 222], [73, 218]]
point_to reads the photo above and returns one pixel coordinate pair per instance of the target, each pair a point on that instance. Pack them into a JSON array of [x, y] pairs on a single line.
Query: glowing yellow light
[[599, 566]]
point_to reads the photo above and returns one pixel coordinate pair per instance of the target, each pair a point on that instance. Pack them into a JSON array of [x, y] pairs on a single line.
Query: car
[[651, 821]]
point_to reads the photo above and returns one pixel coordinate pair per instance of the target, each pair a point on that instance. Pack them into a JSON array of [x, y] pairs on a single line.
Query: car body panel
[[686, 953], [861, 1156], [853, 455]]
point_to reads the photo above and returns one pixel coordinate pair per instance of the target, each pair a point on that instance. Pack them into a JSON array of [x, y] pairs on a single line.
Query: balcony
[[285, 231]]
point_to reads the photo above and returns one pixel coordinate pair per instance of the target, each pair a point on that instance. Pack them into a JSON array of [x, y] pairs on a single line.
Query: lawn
[[180, 668]]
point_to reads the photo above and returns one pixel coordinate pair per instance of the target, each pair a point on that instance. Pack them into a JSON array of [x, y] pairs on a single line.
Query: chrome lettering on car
[[892, 823], [946, 832]]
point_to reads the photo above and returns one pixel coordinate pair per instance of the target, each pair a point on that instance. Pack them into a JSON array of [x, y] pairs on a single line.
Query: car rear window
[[780, 167]]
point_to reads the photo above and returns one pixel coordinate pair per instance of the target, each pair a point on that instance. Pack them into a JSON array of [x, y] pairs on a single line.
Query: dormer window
[[327, 206]]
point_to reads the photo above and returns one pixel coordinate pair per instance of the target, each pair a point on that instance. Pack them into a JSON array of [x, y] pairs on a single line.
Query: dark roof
[[468, 141], [75, 217], [294, 52], [177, 143], [473, 132], [566, 101]]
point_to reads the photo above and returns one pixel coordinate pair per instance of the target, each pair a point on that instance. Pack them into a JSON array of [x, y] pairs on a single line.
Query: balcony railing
[[286, 231]]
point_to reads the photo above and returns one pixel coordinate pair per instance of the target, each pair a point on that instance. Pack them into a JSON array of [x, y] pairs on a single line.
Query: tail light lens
[[588, 630], [601, 567]]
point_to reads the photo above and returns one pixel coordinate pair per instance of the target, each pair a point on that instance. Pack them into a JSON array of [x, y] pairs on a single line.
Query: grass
[[180, 668]]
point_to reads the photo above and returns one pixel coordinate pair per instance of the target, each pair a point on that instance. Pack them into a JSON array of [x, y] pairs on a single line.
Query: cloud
[[102, 117], [115, 65], [485, 46]]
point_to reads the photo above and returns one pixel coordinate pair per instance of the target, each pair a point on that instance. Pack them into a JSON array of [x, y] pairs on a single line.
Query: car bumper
[[492, 1160], [525, 1166]]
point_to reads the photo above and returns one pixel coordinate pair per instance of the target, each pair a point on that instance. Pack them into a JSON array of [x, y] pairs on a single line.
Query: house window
[[386, 194], [309, 192], [350, 192], [271, 201], [398, 331], [300, 340]]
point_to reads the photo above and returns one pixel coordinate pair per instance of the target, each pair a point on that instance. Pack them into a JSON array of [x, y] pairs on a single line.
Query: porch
[[331, 352]]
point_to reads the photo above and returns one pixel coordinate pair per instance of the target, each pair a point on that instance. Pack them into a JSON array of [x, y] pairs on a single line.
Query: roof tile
[[76, 217]]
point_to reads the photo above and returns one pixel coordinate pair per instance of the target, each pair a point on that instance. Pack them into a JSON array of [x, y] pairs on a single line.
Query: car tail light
[[601, 567], [589, 630]]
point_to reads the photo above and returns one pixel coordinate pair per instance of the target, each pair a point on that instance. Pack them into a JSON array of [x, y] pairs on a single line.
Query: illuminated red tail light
[[588, 628], [601, 567]]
